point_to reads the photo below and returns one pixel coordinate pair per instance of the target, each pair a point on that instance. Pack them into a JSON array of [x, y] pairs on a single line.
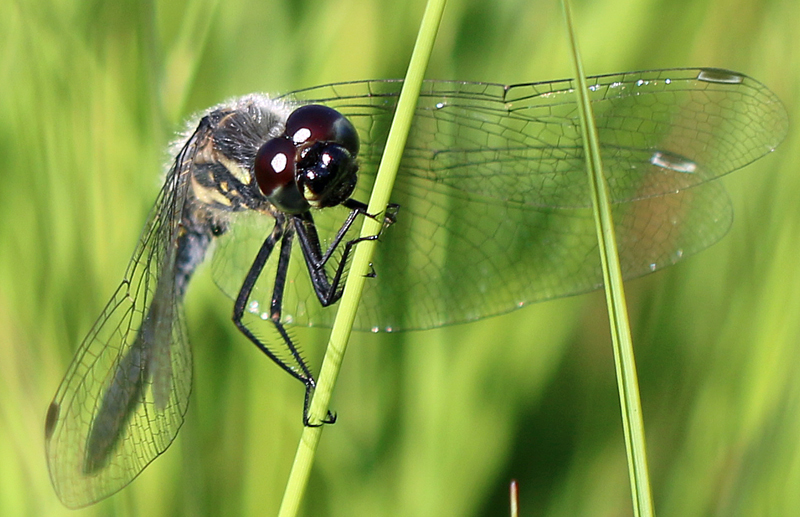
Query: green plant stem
[[627, 382], [348, 305]]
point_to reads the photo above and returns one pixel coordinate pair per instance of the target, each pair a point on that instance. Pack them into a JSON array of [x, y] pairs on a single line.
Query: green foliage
[[430, 423]]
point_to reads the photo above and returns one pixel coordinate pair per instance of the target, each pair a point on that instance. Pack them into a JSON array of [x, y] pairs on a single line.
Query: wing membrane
[[522, 143], [494, 197], [125, 394]]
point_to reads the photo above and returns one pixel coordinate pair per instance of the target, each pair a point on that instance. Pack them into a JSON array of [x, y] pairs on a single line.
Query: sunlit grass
[[430, 423]]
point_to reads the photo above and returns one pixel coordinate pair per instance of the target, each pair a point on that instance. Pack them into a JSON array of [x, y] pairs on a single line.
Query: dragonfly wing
[[449, 260], [125, 394], [494, 197], [660, 131]]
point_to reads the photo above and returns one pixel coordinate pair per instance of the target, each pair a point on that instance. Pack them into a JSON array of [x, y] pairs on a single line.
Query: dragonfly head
[[312, 164]]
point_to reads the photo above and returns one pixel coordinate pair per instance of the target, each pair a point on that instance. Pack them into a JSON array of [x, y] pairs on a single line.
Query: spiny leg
[[328, 291], [247, 288], [285, 235], [276, 310]]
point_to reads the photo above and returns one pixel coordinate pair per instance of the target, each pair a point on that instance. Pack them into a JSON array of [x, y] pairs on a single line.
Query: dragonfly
[[491, 212]]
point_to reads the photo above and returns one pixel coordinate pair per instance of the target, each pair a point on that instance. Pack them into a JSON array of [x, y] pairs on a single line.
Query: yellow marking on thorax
[[209, 195], [236, 171], [209, 154]]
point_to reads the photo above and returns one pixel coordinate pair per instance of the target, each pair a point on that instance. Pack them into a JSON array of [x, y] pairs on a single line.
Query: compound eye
[[315, 123], [327, 175], [275, 165]]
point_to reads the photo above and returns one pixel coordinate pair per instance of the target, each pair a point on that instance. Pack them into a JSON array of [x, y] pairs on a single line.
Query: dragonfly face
[[495, 215]]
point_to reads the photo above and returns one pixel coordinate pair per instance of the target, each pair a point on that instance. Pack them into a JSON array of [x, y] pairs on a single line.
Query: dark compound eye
[[315, 123], [275, 164], [274, 168], [327, 174]]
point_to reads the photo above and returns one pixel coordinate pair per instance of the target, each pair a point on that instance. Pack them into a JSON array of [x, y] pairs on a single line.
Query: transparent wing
[[660, 131], [125, 394], [493, 192]]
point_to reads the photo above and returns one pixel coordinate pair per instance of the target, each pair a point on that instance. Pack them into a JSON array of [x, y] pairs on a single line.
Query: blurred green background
[[430, 423]]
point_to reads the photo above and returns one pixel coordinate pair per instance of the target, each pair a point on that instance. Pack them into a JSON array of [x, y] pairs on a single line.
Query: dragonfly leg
[[240, 304], [301, 371], [330, 290]]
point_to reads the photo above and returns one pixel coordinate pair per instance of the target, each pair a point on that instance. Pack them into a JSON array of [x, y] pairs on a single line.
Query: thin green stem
[[340, 334], [627, 383]]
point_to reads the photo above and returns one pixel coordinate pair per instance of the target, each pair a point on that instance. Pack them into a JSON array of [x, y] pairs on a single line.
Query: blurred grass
[[431, 423]]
